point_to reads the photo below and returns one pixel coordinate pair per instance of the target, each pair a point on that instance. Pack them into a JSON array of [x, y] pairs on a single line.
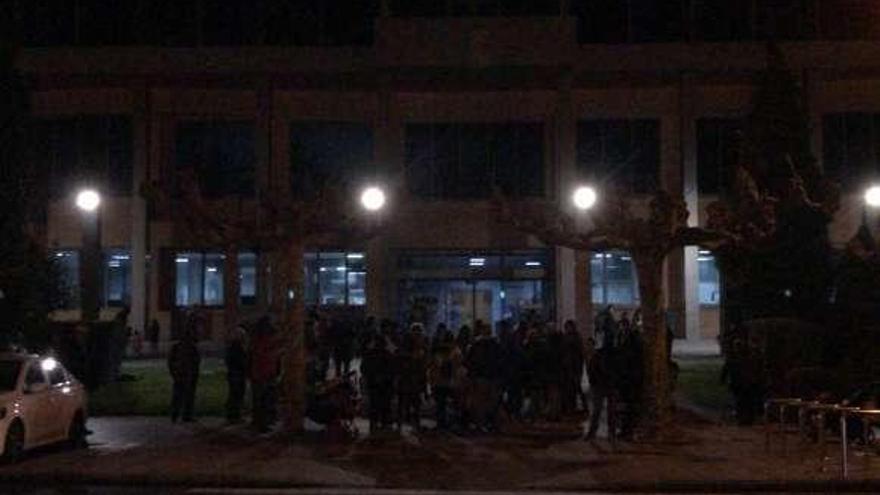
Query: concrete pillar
[[138, 316], [688, 140], [562, 174], [388, 152]]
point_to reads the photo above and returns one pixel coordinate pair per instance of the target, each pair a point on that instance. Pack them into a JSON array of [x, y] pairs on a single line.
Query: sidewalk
[[543, 456]]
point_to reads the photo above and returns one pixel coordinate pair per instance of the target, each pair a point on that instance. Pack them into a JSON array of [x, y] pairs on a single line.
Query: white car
[[40, 403]]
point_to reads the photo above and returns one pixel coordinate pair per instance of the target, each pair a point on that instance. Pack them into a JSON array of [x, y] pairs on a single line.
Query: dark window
[[105, 22], [851, 147], [468, 160], [620, 21], [324, 153], [718, 147], [57, 376], [328, 22], [444, 8], [622, 153], [84, 150], [47, 23], [785, 20], [65, 263], [721, 20], [222, 154]]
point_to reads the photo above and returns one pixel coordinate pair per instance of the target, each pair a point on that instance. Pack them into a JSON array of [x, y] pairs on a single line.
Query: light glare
[[373, 198], [88, 200], [49, 364], [872, 196], [584, 197]]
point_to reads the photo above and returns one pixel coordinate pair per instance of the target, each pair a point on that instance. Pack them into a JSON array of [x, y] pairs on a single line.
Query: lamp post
[[88, 201]]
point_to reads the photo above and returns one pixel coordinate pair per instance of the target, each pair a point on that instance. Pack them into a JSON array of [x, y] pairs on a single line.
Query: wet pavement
[[699, 456]]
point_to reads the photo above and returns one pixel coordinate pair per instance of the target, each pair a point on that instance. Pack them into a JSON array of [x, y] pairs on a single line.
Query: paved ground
[[550, 457]]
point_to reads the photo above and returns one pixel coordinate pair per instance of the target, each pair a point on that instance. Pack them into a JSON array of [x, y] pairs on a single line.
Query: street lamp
[[88, 200], [584, 197], [872, 196], [373, 198]]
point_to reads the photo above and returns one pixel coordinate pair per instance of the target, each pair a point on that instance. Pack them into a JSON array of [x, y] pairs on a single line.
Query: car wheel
[[76, 434], [14, 444]]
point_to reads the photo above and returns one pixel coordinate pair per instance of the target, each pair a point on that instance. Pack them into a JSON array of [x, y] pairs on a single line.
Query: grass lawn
[[699, 382], [149, 392]]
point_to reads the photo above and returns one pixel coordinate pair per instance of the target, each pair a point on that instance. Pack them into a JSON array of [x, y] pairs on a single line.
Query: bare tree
[[276, 224], [735, 225]]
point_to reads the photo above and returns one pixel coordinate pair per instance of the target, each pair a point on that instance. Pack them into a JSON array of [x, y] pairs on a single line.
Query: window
[[117, 277], [247, 278], [718, 147], [721, 20], [34, 376], [199, 279], [335, 278], [851, 147], [620, 21], [66, 262], [57, 376], [622, 153], [92, 149], [456, 161], [457, 288], [324, 153], [222, 155], [613, 279], [710, 287]]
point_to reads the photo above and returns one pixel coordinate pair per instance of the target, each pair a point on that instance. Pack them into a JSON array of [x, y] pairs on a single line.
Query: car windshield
[[8, 375]]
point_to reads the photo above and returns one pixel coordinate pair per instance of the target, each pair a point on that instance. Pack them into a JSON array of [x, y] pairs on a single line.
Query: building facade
[[444, 104]]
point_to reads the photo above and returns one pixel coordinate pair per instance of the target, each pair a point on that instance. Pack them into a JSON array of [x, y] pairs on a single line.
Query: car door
[[36, 409], [60, 400]]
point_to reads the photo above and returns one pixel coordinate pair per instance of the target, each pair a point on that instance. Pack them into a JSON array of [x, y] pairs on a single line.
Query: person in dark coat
[[236, 373], [629, 370], [412, 360], [378, 374], [153, 333], [183, 364], [572, 367], [483, 362], [264, 370], [343, 346]]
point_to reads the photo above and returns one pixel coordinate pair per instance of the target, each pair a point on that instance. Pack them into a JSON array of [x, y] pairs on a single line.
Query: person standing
[[263, 374], [443, 374], [572, 367], [379, 377], [153, 332], [183, 364], [236, 373]]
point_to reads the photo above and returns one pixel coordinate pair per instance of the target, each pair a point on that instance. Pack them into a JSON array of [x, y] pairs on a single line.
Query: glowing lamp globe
[[88, 200], [373, 198], [584, 197], [872, 197]]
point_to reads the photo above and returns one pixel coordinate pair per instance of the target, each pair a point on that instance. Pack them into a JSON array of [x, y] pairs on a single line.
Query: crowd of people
[[470, 380]]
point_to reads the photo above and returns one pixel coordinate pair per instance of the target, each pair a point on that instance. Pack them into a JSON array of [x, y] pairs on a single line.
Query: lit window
[[247, 278], [335, 278], [117, 277], [199, 279], [709, 279], [613, 278]]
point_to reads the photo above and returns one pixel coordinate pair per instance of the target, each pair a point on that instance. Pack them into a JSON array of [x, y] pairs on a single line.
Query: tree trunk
[[231, 288], [293, 360], [656, 393]]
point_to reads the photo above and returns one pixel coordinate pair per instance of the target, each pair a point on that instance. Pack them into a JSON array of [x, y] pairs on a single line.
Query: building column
[[688, 140], [563, 175], [137, 318], [388, 153]]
